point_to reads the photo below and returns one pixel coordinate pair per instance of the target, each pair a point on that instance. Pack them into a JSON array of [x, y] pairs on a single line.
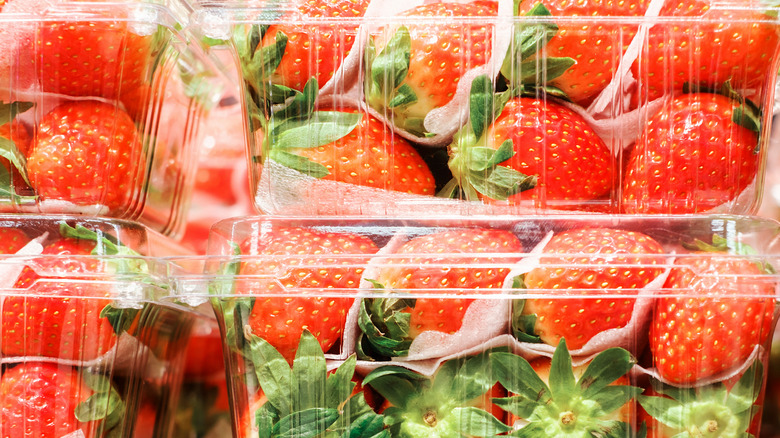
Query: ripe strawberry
[[451, 261], [719, 308], [598, 45], [717, 410], [586, 261], [536, 152], [100, 58], [735, 43], [699, 152], [416, 67], [87, 152], [318, 36], [14, 142], [299, 262], [45, 400], [553, 398], [63, 308], [369, 155], [455, 401], [12, 240]]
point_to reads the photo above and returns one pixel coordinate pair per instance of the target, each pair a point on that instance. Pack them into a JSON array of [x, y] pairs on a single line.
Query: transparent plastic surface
[[538, 326], [474, 107], [87, 347], [100, 110]]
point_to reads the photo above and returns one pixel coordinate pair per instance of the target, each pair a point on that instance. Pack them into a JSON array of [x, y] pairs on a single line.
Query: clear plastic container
[[535, 326], [375, 108], [101, 104], [88, 347]]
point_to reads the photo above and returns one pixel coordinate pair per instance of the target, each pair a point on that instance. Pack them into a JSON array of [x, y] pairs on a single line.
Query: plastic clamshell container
[[375, 108], [100, 109], [88, 348], [453, 327]]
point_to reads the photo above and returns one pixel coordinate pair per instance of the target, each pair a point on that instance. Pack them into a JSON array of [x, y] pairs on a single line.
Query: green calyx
[[523, 324], [567, 407], [305, 400], [449, 404], [711, 411], [384, 326], [105, 405], [298, 126], [9, 151], [386, 88], [476, 167], [722, 244], [522, 68]]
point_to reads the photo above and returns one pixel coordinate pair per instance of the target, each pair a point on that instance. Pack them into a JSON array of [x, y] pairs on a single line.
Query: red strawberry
[[44, 400], [16, 132], [100, 58], [299, 262], [451, 261], [436, 54], [586, 261], [551, 154], [697, 153], [12, 240], [369, 155], [87, 152], [725, 308], [708, 46], [37, 325], [319, 35], [596, 45]]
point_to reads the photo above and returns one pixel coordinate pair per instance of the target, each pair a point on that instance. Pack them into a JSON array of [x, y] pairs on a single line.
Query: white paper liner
[[121, 358]]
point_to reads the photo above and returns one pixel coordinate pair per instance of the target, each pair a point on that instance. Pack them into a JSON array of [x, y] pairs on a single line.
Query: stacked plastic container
[[496, 218], [100, 106]]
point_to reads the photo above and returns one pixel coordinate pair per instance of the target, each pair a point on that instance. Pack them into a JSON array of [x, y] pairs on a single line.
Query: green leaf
[[106, 244], [563, 385], [390, 67], [533, 430], [474, 379], [745, 392], [665, 410], [321, 128], [273, 373], [301, 105], [368, 425], [120, 319], [300, 164], [404, 95], [309, 374], [517, 376], [104, 404], [473, 421], [267, 59], [519, 405], [308, 423], [747, 118], [264, 420], [339, 385], [385, 324], [481, 105], [9, 111], [613, 398], [605, 368], [551, 68], [396, 384], [502, 182], [10, 152]]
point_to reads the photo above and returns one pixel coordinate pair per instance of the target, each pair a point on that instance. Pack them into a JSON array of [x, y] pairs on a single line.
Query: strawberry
[[706, 46], [100, 57], [585, 261], [311, 401], [45, 400], [455, 401], [291, 261], [553, 398], [718, 309], [698, 152], [63, 308], [12, 240], [416, 67], [345, 145], [87, 152], [535, 151], [718, 410], [598, 45], [316, 37], [451, 261], [14, 142]]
